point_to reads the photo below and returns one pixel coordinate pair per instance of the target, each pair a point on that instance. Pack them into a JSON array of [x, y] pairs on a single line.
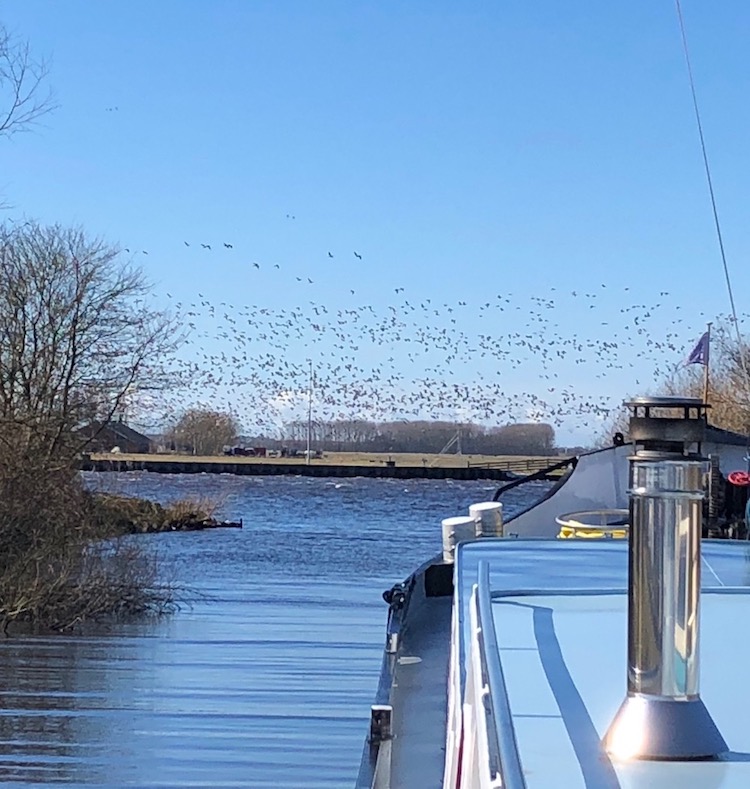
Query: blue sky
[[513, 175]]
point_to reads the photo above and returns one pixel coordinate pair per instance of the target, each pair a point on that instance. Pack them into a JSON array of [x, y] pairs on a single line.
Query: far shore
[[408, 459]]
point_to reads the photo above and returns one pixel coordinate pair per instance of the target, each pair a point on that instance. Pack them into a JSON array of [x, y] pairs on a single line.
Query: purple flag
[[699, 354]]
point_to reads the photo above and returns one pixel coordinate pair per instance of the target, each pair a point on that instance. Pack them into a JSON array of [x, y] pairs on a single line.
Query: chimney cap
[[673, 422], [666, 401]]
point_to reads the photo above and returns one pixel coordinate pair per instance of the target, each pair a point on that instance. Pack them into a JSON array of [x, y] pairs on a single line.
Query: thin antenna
[[707, 168]]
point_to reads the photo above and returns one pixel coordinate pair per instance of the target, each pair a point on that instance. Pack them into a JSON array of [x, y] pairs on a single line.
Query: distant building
[[115, 437]]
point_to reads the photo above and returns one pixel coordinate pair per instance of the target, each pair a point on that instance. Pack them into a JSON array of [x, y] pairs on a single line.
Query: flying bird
[[330, 255], [357, 255], [228, 246]]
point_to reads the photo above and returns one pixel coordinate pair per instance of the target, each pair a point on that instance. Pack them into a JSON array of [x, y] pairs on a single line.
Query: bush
[[60, 562]]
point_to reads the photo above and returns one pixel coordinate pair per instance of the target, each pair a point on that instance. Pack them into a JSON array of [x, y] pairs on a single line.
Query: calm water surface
[[267, 679]]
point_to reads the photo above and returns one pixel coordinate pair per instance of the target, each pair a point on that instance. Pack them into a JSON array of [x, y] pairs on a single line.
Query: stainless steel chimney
[[663, 716]]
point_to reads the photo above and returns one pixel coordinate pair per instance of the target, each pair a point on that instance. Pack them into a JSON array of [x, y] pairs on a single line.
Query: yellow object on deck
[[594, 525]]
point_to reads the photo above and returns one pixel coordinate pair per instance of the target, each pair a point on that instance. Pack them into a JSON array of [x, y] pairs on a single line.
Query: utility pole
[[309, 417]]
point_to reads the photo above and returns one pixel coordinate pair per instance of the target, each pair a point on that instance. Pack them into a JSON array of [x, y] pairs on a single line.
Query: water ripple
[[265, 680]]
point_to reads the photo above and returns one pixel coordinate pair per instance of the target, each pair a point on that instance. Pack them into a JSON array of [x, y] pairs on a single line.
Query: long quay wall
[[299, 469]]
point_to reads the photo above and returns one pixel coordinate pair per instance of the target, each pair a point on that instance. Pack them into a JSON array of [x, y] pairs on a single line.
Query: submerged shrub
[[60, 563]]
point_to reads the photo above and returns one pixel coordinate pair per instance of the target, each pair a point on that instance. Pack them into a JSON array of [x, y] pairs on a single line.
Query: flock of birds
[[505, 359]]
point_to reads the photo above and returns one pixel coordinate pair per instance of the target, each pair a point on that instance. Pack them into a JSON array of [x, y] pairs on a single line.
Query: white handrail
[[489, 757]]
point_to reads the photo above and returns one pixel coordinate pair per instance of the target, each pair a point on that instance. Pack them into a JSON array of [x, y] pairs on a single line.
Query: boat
[[589, 641], [595, 485]]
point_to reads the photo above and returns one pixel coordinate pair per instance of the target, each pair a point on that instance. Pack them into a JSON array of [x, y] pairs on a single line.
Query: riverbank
[[332, 464]]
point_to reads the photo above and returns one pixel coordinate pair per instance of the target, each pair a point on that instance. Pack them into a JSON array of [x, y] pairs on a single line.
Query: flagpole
[[705, 368]]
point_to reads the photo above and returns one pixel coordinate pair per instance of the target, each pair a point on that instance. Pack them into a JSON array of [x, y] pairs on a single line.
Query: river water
[[266, 678]]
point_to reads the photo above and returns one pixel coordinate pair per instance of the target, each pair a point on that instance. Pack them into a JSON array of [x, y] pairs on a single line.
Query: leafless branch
[[77, 337], [23, 101]]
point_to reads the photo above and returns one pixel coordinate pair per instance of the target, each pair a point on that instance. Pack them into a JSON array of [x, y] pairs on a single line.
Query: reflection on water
[[266, 681]]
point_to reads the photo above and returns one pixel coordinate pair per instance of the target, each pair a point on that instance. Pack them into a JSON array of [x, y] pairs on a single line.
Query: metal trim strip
[[500, 594], [504, 740]]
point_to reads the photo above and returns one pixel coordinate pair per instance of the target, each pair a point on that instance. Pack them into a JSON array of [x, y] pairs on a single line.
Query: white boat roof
[[560, 615]]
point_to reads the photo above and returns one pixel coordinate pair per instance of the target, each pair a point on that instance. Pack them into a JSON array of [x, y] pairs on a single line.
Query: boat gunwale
[[370, 775]]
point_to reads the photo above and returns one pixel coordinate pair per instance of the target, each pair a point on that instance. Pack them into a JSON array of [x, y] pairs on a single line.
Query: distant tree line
[[359, 435], [207, 432]]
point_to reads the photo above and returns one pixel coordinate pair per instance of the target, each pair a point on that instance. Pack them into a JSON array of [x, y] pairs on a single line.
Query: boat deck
[[419, 695], [560, 618]]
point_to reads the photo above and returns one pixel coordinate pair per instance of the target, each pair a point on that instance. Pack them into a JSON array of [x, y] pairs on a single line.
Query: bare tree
[[729, 388], [22, 98], [77, 337], [204, 432], [728, 391]]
